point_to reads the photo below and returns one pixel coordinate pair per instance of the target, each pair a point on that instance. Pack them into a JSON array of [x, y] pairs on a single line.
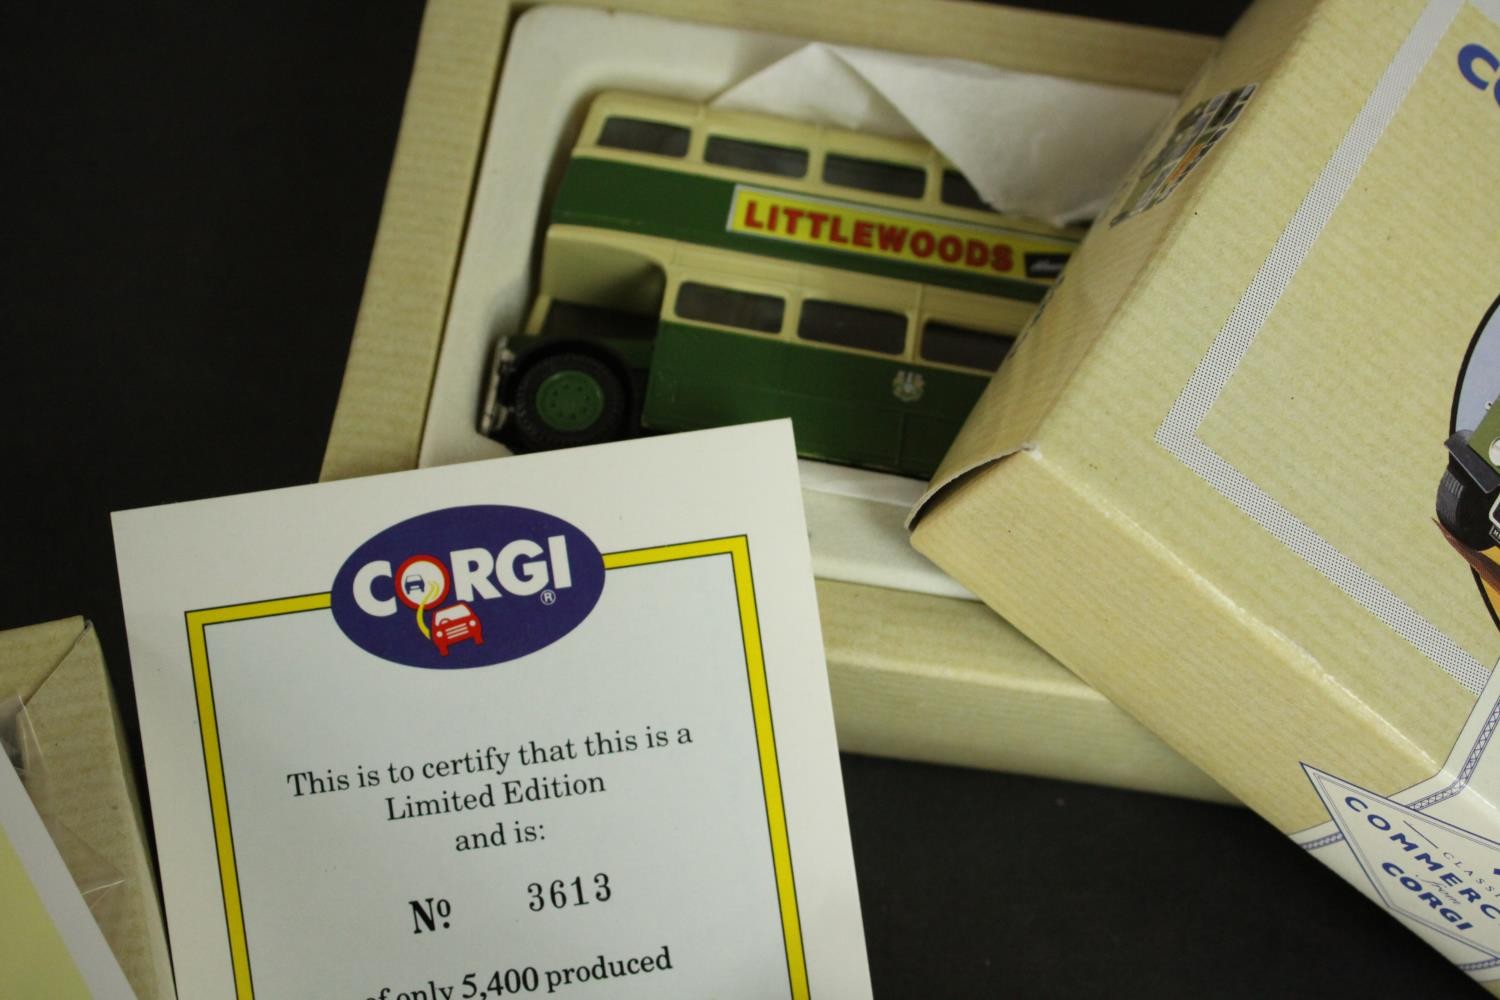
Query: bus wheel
[[1463, 510], [565, 400]]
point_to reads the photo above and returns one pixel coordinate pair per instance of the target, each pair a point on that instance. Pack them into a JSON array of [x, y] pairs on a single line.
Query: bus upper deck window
[[641, 136], [958, 191], [853, 326], [727, 307], [783, 161], [947, 344], [874, 175]]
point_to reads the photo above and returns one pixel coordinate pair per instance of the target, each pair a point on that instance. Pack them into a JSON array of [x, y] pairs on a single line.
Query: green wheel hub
[[570, 400]]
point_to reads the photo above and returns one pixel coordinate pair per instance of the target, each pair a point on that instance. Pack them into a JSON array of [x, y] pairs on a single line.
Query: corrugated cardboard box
[[58, 672], [931, 678], [1217, 450]]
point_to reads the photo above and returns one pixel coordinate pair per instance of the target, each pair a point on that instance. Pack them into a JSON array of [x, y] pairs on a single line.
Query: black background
[[191, 198]]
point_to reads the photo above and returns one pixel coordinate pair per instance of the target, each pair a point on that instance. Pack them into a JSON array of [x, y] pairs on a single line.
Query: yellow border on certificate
[[213, 764], [738, 550]]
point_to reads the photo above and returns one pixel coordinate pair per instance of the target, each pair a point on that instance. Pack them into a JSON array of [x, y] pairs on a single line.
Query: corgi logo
[[467, 586], [1481, 67]]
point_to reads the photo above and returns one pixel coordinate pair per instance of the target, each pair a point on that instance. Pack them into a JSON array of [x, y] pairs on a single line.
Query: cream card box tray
[[918, 669]]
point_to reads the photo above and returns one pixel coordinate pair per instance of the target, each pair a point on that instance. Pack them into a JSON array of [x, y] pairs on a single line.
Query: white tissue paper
[[1050, 148]]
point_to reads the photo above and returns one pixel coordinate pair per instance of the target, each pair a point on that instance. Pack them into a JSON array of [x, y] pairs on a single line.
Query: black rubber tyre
[[534, 432], [1464, 511]]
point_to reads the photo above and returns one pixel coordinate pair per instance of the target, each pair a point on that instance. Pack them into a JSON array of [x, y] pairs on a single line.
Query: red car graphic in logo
[[455, 623]]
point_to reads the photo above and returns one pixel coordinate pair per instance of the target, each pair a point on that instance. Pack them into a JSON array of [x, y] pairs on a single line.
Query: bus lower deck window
[[947, 344], [641, 136], [783, 161], [853, 326], [874, 175], [727, 307]]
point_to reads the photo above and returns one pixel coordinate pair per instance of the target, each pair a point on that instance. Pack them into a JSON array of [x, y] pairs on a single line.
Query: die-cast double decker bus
[[705, 267]]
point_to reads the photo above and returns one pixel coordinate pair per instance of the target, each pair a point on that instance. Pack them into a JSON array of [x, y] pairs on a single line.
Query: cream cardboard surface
[[58, 671], [985, 698], [1219, 446], [378, 425], [51, 946], [542, 721]]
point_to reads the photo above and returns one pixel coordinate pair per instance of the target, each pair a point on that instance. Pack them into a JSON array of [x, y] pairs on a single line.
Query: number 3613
[[562, 893]]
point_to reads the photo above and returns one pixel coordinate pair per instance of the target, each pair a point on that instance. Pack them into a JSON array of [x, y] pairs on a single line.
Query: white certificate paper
[[545, 726]]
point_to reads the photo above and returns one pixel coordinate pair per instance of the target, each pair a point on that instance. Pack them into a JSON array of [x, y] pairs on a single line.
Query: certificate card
[[555, 725]]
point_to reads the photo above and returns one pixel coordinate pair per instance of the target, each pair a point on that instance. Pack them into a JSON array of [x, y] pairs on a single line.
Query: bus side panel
[[927, 436], [843, 406], [931, 421], [682, 206]]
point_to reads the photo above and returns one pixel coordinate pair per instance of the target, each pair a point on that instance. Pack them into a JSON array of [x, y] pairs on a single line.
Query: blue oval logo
[[467, 587]]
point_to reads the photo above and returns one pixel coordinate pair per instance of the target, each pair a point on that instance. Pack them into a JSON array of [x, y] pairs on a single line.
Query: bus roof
[[819, 141]]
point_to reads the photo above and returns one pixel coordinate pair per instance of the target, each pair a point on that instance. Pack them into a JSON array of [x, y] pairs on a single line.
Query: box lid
[[1225, 430], [1208, 479]]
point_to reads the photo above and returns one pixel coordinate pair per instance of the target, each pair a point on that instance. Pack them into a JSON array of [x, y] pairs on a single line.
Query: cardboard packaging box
[[58, 672], [914, 675], [1218, 448], [949, 682]]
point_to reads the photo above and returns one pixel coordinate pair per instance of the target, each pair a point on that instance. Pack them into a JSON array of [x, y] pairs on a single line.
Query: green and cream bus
[[705, 267]]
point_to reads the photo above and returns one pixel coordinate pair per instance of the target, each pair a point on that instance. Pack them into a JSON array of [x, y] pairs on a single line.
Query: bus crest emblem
[[908, 386]]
